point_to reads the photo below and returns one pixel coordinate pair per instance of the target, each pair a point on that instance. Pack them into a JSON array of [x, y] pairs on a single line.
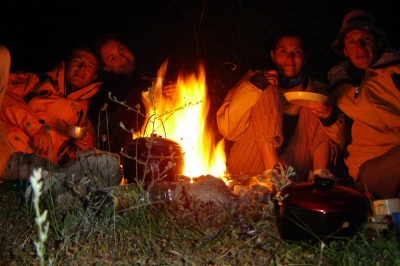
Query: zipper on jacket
[[357, 92]]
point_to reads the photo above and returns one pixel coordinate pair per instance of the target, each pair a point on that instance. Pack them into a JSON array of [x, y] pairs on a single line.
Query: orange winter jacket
[[30, 103]]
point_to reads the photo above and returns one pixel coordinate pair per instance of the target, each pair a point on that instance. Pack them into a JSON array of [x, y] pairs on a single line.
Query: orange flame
[[183, 118]]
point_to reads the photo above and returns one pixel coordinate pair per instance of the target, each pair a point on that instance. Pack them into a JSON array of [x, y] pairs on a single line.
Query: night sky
[[39, 33]]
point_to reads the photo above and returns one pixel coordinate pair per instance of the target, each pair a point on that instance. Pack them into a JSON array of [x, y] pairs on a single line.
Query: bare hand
[[171, 90], [271, 76], [42, 141], [321, 110]]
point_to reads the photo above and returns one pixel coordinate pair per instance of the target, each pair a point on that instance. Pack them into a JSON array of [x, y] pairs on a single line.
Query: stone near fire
[[92, 170], [206, 201]]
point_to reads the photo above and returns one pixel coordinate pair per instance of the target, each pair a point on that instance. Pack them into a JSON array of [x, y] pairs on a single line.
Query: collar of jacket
[[287, 83], [57, 78], [389, 57], [338, 74]]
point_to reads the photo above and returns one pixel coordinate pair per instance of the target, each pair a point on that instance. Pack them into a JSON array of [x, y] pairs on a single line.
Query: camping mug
[[386, 206]]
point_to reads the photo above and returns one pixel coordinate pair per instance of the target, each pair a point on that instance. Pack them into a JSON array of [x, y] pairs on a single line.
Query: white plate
[[303, 98]]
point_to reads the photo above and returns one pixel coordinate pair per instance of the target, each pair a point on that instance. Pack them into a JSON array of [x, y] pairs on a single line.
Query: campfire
[[200, 186], [183, 119]]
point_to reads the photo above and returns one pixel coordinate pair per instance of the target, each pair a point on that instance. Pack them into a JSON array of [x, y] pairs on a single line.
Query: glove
[[42, 141]]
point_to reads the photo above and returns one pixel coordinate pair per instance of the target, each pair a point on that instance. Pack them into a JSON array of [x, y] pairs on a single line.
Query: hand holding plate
[[271, 76], [321, 110]]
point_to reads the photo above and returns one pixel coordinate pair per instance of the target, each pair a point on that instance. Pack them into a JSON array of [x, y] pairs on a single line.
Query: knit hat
[[356, 19]]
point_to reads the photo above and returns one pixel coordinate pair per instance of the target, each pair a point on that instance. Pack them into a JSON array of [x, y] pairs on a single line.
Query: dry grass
[[159, 234]]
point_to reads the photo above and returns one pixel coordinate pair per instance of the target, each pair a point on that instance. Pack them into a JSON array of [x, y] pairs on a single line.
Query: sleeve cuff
[[259, 81], [330, 120]]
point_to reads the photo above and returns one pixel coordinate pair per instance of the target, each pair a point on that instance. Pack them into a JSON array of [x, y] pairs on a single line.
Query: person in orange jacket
[[5, 147], [37, 109]]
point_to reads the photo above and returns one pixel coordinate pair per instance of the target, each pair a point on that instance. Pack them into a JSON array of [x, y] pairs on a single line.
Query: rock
[[20, 165], [92, 170], [207, 201]]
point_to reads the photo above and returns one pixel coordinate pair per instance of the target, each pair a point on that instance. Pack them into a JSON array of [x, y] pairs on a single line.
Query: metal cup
[[76, 132]]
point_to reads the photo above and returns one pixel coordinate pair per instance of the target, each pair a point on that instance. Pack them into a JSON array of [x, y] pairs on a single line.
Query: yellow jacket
[[234, 112], [375, 112]]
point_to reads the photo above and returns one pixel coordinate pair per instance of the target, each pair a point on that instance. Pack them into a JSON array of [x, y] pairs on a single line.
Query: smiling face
[[82, 69], [288, 56], [361, 48], [117, 58]]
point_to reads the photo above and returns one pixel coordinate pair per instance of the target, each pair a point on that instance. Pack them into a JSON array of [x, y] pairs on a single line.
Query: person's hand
[[42, 141], [271, 76], [321, 110], [170, 90], [85, 143]]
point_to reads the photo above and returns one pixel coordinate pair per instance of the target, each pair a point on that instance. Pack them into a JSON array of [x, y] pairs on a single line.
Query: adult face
[[117, 58], [288, 56], [82, 69], [361, 48]]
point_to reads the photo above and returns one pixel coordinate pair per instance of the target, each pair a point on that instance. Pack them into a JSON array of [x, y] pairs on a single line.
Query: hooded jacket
[[5, 148], [31, 102], [255, 113], [374, 106]]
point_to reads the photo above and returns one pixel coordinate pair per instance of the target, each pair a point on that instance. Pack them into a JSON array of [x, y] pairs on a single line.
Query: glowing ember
[[183, 119]]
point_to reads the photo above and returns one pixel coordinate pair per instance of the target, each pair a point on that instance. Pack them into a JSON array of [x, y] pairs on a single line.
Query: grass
[[122, 227]]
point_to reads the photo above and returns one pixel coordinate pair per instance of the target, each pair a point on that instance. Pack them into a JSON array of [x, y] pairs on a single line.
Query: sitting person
[[5, 147], [266, 129], [366, 89], [125, 84], [37, 109]]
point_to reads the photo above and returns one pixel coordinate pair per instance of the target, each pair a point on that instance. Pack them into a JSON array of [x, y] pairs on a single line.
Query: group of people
[[37, 108], [360, 120]]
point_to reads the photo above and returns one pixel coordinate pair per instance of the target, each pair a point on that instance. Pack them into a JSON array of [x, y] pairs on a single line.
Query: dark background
[[40, 33]]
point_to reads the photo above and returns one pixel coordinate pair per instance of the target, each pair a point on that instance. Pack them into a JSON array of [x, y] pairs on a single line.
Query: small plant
[[42, 224]]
